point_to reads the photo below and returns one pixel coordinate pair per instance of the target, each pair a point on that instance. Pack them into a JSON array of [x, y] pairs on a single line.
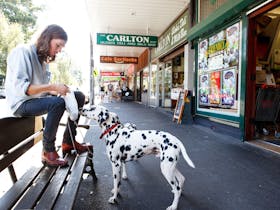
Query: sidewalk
[[229, 174]]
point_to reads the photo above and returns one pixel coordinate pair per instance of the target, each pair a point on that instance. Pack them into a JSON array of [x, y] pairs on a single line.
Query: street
[[229, 174]]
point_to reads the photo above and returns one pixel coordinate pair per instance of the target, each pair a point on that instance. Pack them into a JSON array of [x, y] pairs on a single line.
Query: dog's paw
[[170, 208], [112, 200], [124, 177]]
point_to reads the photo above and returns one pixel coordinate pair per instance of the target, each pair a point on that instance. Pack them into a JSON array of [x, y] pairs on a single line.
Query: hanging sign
[[127, 40], [111, 74], [118, 59]]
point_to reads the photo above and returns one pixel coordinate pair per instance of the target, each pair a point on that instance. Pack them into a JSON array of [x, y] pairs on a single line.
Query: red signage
[[111, 74], [118, 60]]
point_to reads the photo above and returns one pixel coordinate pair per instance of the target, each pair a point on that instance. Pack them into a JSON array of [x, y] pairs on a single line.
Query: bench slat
[[35, 191], [16, 191], [53, 191], [67, 198]]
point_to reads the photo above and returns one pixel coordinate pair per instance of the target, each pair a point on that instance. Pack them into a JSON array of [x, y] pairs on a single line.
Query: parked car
[[2, 87]]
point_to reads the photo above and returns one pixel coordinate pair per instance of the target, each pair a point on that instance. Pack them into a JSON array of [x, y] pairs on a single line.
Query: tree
[[64, 71], [10, 36], [22, 12]]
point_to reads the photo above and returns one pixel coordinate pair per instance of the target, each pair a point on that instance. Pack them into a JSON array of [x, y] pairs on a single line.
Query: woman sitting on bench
[[30, 94]]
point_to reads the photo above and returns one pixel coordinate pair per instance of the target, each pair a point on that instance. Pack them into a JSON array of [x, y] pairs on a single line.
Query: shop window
[[218, 72], [207, 7]]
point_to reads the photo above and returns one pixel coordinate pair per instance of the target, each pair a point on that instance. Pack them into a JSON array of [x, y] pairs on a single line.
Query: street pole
[[91, 74]]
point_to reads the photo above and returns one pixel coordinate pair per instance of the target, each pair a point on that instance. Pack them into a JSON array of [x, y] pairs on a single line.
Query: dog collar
[[108, 130]]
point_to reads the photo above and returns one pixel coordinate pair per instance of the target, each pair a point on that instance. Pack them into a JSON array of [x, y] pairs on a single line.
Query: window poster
[[228, 88], [218, 70], [215, 87], [202, 55], [231, 53], [204, 89]]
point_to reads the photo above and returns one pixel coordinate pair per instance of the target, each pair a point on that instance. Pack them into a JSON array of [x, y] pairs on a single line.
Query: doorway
[[263, 75]]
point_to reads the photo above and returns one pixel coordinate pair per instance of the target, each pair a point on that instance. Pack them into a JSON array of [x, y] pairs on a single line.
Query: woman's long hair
[[43, 42]]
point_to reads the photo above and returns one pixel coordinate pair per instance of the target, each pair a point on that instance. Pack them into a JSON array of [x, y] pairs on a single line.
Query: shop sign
[[175, 35], [111, 74], [118, 59], [127, 40]]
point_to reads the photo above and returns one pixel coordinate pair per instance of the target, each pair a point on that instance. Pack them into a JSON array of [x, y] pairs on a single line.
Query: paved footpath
[[229, 174]]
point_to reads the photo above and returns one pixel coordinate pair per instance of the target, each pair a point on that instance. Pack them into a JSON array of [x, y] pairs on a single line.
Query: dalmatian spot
[[118, 157], [124, 157], [115, 176], [172, 182], [164, 136], [128, 136], [124, 133], [170, 144], [175, 146], [150, 132], [166, 141], [171, 159], [128, 148], [166, 147], [178, 188], [122, 148], [144, 136]]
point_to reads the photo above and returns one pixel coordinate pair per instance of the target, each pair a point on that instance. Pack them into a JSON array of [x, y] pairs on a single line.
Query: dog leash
[[72, 138]]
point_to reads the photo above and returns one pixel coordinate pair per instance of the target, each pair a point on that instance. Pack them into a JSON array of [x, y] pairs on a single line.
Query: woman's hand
[[54, 89], [61, 89]]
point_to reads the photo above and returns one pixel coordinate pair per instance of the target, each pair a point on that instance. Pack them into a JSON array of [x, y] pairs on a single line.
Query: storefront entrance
[[263, 75]]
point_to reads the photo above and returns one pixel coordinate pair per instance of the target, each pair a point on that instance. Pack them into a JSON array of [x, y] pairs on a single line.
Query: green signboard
[[127, 40], [173, 36]]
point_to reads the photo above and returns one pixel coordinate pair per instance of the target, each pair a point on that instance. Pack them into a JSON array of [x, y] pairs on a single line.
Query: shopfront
[[221, 39], [169, 58]]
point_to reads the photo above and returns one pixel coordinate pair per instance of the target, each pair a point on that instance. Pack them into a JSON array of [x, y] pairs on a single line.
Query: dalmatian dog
[[125, 143]]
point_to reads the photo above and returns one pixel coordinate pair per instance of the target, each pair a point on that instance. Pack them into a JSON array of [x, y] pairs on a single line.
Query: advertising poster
[[231, 54], [204, 89], [228, 87], [202, 55], [215, 87], [217, 44]]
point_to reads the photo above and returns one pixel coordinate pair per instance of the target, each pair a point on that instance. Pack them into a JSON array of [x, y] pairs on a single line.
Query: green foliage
[[22, 12], [64, 71], [10, 36]]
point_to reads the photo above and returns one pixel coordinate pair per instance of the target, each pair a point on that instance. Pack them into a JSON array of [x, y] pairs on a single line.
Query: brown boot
[[85, 147], [53, 159]]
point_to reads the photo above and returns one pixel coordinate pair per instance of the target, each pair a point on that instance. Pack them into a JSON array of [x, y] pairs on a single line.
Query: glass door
[[167, 84], [160, 85]]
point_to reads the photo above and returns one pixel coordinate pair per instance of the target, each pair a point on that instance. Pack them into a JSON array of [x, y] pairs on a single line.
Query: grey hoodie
[[23, 69]]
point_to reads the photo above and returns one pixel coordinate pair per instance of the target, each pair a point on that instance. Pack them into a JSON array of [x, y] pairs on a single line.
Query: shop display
[[218, 65]]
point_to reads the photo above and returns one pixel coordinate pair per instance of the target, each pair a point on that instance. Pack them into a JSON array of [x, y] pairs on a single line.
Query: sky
[[72, 16]]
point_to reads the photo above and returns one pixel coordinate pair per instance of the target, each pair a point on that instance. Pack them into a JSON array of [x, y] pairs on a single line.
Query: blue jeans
[[54, 107]]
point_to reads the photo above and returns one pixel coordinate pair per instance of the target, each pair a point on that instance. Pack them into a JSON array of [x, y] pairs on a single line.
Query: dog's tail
[[185, 154]]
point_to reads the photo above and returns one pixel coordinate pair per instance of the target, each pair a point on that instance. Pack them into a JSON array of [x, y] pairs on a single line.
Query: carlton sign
[[127, 40]]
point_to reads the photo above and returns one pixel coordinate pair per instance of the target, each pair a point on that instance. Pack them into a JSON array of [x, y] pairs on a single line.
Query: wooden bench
[[40, 187]]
